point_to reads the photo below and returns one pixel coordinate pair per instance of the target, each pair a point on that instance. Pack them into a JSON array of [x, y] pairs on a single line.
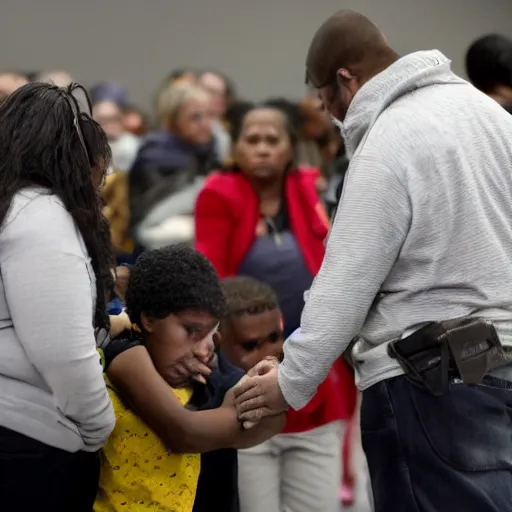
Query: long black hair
[[45, 140]]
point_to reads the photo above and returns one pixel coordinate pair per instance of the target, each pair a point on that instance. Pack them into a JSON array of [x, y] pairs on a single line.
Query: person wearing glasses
[[415, 286], [170, 167], [55, 277]]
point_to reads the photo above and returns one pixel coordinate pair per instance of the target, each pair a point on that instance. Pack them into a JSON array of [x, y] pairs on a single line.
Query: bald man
[[417, 274]]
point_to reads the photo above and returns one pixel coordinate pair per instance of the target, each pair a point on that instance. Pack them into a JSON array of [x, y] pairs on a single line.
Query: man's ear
[[147, 323]]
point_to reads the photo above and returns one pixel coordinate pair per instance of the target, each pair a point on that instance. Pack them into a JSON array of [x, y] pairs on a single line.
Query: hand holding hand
[[259, 395]]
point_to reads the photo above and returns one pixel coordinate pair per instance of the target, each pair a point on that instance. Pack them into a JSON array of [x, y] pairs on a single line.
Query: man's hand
[[258, 395], [263, 367]]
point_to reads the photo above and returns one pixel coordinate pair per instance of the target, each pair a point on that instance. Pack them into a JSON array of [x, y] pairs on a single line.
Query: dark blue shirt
[[276, 260]]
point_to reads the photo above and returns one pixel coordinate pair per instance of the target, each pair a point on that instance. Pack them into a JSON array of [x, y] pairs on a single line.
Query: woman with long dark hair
[[55, 274]]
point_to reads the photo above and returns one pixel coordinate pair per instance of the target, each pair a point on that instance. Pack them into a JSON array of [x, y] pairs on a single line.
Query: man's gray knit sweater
[[424, 228]]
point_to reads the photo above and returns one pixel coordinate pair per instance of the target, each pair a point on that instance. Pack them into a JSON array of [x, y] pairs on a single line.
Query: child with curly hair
[[172, 402]]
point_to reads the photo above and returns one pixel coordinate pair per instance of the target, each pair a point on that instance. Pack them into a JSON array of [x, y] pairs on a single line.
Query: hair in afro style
[[170, 280], [248, 296]]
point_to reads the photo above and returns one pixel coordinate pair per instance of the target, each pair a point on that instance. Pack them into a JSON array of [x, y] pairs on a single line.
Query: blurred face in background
[[317, 122], [9, 82], [194, 120], [264, 148], [216, 86], [109, 116], [188, 77], [58, 78], [134, 122]]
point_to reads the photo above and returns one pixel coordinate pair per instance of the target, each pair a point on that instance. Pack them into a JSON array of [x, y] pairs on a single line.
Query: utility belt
[[463, 348]]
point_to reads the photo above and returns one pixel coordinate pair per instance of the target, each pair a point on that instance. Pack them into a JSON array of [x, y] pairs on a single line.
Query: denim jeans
[[36, 477], [439, 453]]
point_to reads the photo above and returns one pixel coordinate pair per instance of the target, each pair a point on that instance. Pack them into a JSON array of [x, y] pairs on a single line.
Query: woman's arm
[[48, 290], [133, 374], [213, 226]]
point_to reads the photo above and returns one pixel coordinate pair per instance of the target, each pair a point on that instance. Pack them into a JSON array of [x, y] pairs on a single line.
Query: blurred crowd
[[190, 133], [253, 187], [161, 158]]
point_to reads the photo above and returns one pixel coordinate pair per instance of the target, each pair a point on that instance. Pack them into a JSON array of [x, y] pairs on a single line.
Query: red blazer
[[226, 217]]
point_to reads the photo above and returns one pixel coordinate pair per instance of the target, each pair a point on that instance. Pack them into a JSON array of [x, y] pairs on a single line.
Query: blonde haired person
[[173, 97], [170, 167]]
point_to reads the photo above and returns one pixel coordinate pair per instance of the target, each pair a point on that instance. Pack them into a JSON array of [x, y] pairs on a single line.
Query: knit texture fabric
[[423, 230]]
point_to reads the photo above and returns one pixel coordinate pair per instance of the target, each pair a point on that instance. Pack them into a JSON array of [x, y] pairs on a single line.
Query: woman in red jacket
[[264, 219]]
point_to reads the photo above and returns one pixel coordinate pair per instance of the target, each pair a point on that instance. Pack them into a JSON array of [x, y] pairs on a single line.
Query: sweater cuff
[[296, 396]]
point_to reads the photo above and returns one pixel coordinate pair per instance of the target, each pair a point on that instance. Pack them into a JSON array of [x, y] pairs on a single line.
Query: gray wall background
[[260, 44]]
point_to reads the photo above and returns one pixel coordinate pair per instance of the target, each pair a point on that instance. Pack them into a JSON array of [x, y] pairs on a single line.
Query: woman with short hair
[[170, 167]]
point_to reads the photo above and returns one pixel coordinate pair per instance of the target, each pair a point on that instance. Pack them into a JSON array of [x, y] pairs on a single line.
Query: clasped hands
[[258, 395]]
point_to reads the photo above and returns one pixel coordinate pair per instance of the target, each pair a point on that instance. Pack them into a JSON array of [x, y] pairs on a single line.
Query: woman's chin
[[264, 173]]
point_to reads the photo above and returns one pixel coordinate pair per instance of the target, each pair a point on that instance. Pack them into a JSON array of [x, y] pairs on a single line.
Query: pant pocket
[[470, 427]]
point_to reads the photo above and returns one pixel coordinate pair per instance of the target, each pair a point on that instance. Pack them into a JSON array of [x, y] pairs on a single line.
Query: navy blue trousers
[[450, 453]]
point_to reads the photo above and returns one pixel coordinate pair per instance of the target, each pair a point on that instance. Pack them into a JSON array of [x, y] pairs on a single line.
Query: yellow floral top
[[138, 473]]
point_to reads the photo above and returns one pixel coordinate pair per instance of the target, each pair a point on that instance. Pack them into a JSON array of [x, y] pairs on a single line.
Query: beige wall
[[261, 44]]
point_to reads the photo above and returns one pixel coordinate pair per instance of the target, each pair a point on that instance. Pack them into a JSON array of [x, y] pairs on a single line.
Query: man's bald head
[[347, 40]]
